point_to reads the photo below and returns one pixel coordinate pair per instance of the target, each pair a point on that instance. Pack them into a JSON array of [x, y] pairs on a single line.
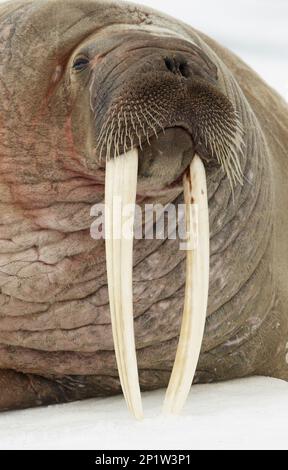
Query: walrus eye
[[80, 63]]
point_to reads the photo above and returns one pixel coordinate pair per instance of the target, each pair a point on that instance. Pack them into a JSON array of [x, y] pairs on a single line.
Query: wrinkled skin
[[55, 334]]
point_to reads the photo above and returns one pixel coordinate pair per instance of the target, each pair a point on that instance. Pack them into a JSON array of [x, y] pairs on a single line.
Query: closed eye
[[80, 63]]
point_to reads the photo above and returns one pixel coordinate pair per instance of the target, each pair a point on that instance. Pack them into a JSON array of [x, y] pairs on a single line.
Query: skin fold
[[56, 341]]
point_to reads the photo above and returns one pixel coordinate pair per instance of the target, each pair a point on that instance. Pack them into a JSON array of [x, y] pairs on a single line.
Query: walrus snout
[[142, 85]]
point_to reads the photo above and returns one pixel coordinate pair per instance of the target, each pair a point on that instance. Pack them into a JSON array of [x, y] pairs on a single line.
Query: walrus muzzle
[[138, 90]]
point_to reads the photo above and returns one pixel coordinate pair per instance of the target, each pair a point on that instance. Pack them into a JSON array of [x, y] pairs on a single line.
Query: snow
[[242, 414]]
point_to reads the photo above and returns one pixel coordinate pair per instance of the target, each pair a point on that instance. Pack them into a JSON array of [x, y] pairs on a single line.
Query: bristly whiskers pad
[[198, 107]]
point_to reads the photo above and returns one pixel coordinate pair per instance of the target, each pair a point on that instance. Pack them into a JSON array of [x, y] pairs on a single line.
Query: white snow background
[[242, 414]]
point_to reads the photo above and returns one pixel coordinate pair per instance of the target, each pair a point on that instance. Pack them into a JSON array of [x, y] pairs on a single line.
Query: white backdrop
[[246, 414]]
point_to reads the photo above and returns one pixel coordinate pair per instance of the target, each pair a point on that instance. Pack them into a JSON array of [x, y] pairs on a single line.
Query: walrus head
[[154, 116], [159, 95]]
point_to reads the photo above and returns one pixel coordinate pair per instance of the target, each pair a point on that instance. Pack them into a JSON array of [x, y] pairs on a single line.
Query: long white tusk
[[120, 191], [196, 291]]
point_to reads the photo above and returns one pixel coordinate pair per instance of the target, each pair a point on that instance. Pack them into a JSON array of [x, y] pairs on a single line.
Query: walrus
[[104, 99]]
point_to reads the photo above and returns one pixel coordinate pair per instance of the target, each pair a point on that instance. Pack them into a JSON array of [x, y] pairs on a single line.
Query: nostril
[[170, 64], [176, 66], [184, 69]]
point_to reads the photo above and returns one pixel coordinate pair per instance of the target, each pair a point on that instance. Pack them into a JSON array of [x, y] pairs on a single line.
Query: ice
[[243, 414]]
